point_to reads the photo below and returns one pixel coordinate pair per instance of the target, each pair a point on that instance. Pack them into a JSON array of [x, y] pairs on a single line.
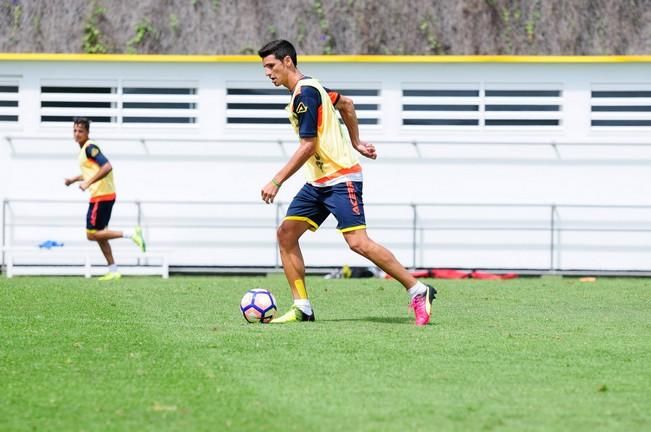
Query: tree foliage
[[532, 27]]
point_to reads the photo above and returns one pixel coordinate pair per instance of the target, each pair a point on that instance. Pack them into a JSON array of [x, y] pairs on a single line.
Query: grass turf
[[148, 354]]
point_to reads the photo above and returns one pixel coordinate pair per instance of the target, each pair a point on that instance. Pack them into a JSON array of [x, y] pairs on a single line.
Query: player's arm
[[103, 172], [305, 150], [93, 153], [306, 107], [72, 180], [349, 116]]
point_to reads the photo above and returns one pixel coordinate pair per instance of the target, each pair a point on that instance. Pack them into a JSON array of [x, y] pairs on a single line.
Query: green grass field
[[146, 354]]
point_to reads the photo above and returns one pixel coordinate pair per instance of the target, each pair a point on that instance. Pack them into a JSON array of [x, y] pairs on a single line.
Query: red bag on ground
[[449, 274], [490, 276], [457, 274]]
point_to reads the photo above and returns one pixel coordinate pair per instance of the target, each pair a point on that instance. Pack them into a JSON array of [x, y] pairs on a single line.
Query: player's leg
[[291, 256], [136, 236], [359, 242], [289, 233], [305, 212], [422, 295], [348, 207], [105, 235], [105, 247], [97, 219]]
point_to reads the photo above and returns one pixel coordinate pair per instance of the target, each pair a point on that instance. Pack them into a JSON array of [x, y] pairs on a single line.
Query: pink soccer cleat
[[422, 305]]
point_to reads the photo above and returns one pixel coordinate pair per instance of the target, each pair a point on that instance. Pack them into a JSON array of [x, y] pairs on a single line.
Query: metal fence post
[[414, 227], [5, 203], [138, 223], [138, 213], [552, 232]]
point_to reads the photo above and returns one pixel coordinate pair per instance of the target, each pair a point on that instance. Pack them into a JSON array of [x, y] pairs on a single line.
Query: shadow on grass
[[375, 319]]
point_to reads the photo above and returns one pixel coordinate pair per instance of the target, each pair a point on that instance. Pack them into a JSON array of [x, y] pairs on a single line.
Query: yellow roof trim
[[476, 59], [129, 58], [168, 58]]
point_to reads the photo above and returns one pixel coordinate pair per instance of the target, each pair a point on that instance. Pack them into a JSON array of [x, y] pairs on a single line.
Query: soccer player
[[334, 182], [97, 177]]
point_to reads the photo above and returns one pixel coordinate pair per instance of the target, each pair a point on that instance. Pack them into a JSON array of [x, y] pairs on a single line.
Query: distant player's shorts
[[99, 215], [344, 200]]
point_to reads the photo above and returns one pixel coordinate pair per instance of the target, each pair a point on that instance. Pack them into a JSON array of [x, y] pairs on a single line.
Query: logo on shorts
[[301, 108], [352, 197]]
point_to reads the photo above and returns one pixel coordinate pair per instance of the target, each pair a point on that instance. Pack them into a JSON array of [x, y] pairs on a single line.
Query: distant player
[[97, 177], [334, 182]]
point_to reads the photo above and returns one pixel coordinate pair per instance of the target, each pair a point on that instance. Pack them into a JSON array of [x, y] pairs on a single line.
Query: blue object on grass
[[49, 244]]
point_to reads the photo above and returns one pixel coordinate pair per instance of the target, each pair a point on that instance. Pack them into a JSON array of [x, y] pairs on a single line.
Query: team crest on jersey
[[94, 152], [301, 108]]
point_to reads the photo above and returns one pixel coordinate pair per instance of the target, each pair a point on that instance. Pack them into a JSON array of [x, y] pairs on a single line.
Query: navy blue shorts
[[99, 215], [344, 200]]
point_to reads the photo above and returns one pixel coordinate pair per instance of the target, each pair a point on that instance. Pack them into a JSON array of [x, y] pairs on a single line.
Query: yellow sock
[[300, 289]]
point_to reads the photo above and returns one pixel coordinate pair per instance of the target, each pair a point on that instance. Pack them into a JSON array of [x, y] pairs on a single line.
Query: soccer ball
[[258, 305]]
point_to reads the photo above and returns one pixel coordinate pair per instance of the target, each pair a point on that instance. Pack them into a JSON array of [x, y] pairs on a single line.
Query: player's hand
[[84, 185], [68, 181], [366, 149], [269, 192]]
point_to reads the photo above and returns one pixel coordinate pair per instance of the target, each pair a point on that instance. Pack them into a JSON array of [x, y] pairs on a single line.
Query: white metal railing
[[548, 233]]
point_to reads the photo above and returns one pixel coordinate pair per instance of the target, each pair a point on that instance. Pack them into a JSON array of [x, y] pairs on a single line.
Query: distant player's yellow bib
[[103, 189]]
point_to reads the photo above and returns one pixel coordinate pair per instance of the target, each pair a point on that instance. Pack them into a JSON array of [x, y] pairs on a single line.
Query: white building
[[522, 163]]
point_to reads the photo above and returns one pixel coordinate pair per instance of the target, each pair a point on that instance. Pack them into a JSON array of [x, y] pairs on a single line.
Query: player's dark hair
[[82, 121], [280, 49]]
